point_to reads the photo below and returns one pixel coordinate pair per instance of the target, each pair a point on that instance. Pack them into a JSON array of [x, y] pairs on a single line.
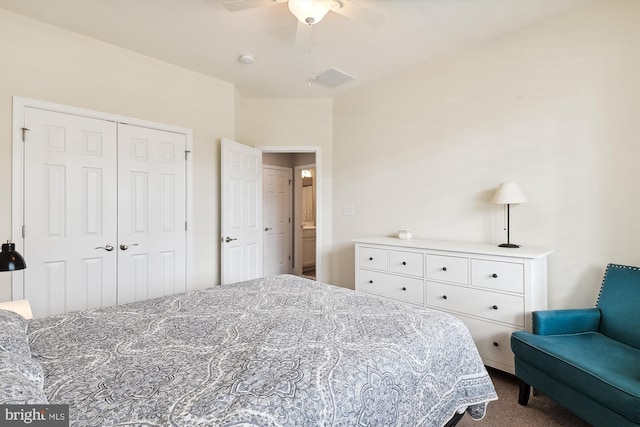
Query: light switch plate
[[348, 210]]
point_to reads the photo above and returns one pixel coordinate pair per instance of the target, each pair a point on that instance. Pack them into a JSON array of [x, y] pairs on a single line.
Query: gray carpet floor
[[506, 412]]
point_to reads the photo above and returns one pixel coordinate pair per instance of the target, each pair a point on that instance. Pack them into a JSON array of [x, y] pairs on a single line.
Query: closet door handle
[[107, 248], [268, 228], [124, 246]]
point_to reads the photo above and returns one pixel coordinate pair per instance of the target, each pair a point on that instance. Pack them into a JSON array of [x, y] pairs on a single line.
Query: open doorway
[[306, 205], [306, 210]]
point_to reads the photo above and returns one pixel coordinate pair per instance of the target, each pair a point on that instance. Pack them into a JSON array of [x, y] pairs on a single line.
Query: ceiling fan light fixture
[[309, 11], [335, 4]]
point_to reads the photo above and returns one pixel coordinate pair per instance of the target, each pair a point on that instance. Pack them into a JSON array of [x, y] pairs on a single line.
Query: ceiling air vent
[[333, 77]]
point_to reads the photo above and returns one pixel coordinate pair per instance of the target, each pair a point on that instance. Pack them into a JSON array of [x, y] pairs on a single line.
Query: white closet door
[[151, 212], [69, 212]]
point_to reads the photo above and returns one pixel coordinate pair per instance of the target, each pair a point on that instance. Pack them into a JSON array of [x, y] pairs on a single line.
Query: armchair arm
[[573, 321]]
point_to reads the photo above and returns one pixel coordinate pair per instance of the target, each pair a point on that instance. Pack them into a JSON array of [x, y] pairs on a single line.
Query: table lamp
[[508, 193]]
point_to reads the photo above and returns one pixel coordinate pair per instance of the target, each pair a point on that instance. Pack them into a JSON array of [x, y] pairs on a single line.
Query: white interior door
[[277, 215], [241, 208], [70, 214], [151, 211]]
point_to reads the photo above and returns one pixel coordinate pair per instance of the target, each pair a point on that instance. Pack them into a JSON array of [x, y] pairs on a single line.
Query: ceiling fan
[[310, 12]]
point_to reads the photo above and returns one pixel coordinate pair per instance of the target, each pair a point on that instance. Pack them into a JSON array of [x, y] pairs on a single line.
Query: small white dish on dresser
[[404, 234]]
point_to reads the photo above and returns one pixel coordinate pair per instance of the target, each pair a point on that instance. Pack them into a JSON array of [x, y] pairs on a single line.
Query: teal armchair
[[588, 360]]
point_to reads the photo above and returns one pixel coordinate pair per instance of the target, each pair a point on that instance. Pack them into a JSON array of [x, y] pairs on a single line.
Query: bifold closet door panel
[[70, 218], [151, 213]]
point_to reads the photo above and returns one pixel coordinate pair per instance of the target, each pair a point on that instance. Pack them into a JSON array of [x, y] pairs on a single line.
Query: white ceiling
[[203, 36]]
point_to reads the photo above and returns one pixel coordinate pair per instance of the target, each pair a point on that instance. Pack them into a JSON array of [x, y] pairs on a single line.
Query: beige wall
[[554, 107], [43, 62], [297, 123]]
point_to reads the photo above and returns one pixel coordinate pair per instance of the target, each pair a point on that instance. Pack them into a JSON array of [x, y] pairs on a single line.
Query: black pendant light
[[11, 260]]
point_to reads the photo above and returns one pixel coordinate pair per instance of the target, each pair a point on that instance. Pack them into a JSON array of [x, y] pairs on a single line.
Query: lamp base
[[508, 245]]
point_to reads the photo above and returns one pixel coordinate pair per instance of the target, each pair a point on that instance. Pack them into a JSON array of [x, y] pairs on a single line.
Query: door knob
[[124, 246], [229, 239], [107, 248], [268, 228]]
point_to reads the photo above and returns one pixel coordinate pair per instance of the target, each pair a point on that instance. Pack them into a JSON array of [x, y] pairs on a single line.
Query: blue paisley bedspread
[[278, 351]]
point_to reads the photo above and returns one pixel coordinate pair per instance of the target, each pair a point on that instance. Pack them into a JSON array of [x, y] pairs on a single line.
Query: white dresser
[[492, 290]]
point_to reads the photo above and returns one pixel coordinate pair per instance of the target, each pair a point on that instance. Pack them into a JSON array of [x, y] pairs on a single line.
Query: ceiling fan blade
[[303, 34], [357, 13], [236, 5]]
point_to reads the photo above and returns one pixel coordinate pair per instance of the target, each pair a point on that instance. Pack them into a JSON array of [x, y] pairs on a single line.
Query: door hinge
[[289, 220], [24, 231], [185, 226], [289, 183], [186, 154], [24, 134], [289, 257]]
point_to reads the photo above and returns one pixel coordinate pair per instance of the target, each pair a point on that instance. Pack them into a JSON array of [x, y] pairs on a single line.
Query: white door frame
[[17, 174], [319, 200]]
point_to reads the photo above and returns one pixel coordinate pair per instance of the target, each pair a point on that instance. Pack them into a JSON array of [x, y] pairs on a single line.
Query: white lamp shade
[[508, 193], [309, 11]]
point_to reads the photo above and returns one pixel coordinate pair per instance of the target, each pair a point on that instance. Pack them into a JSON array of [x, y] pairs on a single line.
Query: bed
[[276, 351]]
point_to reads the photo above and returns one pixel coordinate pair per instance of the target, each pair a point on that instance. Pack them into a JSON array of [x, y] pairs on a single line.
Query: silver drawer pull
[[370, 258], [495, 344], [404, 262], [444, 297], [444, 268], [494, 275], [495, 307], [371, 281], [404, 288]]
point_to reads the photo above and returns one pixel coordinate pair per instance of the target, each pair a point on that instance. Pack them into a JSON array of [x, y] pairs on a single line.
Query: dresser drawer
[[448, 268], [404, 262], [493, 341], [401, 288], [374, 258], [477, 302], [504, 276]]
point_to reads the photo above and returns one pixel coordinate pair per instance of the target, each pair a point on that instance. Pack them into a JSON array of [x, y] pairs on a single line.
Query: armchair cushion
[[573, 321], [592, 364]]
